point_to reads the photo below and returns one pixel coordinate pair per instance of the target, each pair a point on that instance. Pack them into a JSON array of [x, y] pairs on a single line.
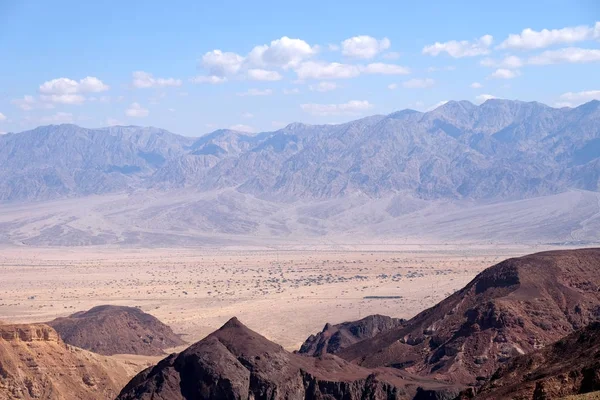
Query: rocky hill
[[512, 308], [36, 364], [237, 363], [567, 367], [116, 330], [334, 338]]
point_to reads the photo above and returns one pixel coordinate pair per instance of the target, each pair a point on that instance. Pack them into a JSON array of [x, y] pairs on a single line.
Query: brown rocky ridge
[[116, 330], [511, 308], [334, 338], [36, 364], [567, 367], [235, 362]]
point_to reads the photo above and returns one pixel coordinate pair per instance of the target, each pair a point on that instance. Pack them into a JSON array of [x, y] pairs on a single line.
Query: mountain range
[[314, 180]]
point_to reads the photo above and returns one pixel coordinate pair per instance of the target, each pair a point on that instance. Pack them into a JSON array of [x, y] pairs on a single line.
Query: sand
[[285, 294]]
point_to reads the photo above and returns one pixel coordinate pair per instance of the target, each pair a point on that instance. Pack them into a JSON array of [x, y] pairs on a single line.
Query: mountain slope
[[569, 366], [500, 149], [66, 160], [509, 309], [112, 330], [36, 364], [237, 363], [334, 338]]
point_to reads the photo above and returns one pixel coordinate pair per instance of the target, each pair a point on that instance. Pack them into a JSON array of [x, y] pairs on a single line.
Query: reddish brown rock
[[512, 308], [334, 338], [36, 364], [111, 330], [569, 366], [237, 363]]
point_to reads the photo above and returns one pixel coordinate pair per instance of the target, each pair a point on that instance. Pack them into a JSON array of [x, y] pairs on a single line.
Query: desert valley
[[313, 200], [286, 294], [522, 306], [384, 282]]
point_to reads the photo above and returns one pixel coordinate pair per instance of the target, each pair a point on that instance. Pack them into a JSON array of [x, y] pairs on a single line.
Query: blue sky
[[195, 66]]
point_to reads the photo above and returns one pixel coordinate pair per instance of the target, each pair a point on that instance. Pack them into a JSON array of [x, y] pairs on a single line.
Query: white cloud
[[221, 64], [323, 87], [63, 98], [464, 48], [68, 91], [566, 55], [392, 86], [285, 53], [571, 99], [333, 47], [507, 62], [247, 115], [242, 128], [3, 132], [291, 91], [137, 111], [2, 117], [529, 39], [484, 97], [350, 108], [63, 86], [211, 79], [391, 55], [281, 53], [59, 118], [364, 46], [418, 83], [322, 70], [256, 92], [143, 80], [503, 73], [386, 69], [476, 85], [264, 75]]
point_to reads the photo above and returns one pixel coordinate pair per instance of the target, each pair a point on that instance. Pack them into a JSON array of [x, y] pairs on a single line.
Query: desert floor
[[284, 294]]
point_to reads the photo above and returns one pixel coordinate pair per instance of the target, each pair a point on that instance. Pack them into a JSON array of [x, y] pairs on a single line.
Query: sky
[[195, 66]]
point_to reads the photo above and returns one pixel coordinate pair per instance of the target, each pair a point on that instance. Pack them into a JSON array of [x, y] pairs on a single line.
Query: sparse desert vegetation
[[287, 294]]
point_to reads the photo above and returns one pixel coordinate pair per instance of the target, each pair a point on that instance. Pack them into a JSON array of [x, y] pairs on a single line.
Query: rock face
[[569, 366], [512, 308], [334, 338], [237, 363], [36, 364], [116, 330]]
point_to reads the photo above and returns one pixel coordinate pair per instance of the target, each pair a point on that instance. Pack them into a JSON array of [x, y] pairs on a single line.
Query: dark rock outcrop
[[334, 338], [116, 330], [512, 308], [236, 363], [569, 366]]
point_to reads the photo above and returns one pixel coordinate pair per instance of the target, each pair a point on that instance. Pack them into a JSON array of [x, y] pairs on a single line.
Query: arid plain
[[286, 294]]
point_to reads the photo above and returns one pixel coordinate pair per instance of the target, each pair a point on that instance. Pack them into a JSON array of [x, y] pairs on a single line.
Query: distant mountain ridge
[[501, 149]]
